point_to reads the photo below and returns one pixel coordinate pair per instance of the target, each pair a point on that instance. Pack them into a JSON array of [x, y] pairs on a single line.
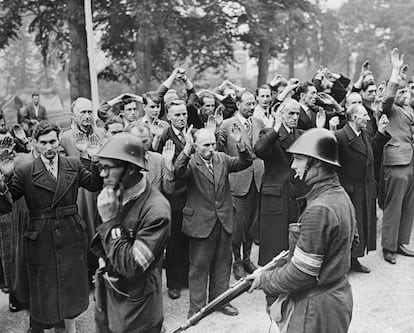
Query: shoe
[[5, 290], [229, 310], [389, 256], [248, 266], [238, 270], [404, 251], [174, 293], [190, 314], [357, 267], [14, 304]]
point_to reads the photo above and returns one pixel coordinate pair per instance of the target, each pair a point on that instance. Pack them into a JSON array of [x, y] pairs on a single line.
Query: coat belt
[[55, 213]]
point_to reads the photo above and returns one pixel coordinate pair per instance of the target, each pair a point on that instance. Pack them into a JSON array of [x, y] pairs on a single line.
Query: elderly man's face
[[84, 118], [353, 98], [402, 96], [246, 105], [290, 115], [177, 115]]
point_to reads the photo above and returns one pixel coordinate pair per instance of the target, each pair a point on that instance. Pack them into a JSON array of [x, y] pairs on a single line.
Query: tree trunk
[[263, 62], [143, 60], [78, 75], [291, 57]]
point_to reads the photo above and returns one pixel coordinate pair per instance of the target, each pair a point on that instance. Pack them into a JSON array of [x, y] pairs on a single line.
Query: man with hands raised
[[207, 215], [130, 241]]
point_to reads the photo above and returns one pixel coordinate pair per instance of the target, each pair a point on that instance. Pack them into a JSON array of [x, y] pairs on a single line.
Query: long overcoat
[[56, 248], [279, 191], [357, 176]]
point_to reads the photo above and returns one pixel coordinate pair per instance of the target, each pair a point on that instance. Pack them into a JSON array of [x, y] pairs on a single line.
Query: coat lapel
[[355, 142], [202, 167], [41, 177], [66, 177], [285, 139], [244, 133], [218, 166]]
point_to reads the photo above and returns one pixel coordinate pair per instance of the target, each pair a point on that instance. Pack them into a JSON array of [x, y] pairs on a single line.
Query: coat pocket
[[272, 201], [188, 211]]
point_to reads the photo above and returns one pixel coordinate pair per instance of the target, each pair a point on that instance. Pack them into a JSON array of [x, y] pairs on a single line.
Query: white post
[[91, 57]]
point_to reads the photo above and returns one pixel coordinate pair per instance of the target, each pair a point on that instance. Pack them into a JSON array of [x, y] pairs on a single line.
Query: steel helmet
[[318, 143], [124, 147]]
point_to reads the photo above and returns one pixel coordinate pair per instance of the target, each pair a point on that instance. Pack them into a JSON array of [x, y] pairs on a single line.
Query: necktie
[[248, 126], [181, 137], [52, 169], [210, 167]]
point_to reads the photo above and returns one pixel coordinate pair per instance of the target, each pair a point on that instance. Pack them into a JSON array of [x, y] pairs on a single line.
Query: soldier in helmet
[[129, 242], [312, 291]]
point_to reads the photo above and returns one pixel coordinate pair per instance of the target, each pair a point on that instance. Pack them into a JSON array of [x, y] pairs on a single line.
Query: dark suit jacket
[[304, 122], [29, 114], [177, 198], [209, 198], [240, 182], [356, 156]]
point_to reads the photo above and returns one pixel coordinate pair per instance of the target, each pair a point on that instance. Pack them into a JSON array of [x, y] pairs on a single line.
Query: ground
[[383, 303]]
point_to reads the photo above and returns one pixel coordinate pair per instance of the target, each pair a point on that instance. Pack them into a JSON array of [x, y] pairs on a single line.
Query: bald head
[[353, 98], [205, 141]]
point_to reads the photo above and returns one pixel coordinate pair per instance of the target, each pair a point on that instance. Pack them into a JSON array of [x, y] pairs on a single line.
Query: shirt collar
[[175, 130], [357, 133], [47, 162], [241, 118], [135, 191], [289, 130]]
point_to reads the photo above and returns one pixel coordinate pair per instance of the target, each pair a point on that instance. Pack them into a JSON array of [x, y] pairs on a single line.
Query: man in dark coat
[[279, 189], [56, 240], [357, 152], [129, 242], [208, 214], [312, 289]]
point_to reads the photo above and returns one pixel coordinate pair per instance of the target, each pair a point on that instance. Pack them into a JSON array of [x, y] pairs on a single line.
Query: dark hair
[[3, 131], [113, 120], [366, 85], [44, 127], [152, 95], [35, 94], [263, 86], [126, 101], [206, 94], [240, 95], [302, 89]]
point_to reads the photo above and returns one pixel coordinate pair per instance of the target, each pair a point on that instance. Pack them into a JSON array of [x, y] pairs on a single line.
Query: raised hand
[[235, 133], [94, 144], [81, 142], [168, 151], [333, 123], [211, 123], [321, 118], [326, 98], [403, 72], [156, 128], [188, 136], [397, 61], [218, 115], [293, 83], [382, 123]]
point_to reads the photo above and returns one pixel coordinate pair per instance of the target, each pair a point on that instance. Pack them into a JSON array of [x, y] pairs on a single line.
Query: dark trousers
[[398, 216], [210, 261], [245, 222], [176, 256]]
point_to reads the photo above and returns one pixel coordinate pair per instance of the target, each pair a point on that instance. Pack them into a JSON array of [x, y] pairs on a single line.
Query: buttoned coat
[[240, 182], [357, 156], [209, 198], [279, 191], [29, 113], [56, 248]]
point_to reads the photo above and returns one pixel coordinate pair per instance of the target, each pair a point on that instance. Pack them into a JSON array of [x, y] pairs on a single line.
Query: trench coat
[[56, 248], [357, 176], [279, 191]]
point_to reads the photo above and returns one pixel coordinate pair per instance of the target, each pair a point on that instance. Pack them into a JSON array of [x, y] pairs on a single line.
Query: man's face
[[264, 98], [111, 171], [299, 165], [35, 100], [143, 136], [206, 145], [152, 109], [309, 98], [84, 118], [48, 145], [402, 96], [130, 111], [246, 105], [208, 106], [177, 115], [352, 99], [369, 94], [290, 115], [361, 118], [114, 128]]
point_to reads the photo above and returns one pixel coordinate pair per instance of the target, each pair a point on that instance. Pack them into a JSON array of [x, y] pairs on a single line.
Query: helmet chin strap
[[307, 167]]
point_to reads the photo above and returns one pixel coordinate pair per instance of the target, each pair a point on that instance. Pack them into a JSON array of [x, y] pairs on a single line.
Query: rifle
[[234, 291]]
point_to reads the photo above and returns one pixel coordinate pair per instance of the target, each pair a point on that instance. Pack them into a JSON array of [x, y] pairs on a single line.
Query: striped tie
[[248, 126]]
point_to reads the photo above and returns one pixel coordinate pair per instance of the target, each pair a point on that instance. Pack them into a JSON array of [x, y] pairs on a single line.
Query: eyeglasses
[[106, 168]]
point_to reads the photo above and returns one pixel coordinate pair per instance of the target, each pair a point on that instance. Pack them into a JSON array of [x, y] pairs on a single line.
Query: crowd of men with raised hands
[[190, 181]]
